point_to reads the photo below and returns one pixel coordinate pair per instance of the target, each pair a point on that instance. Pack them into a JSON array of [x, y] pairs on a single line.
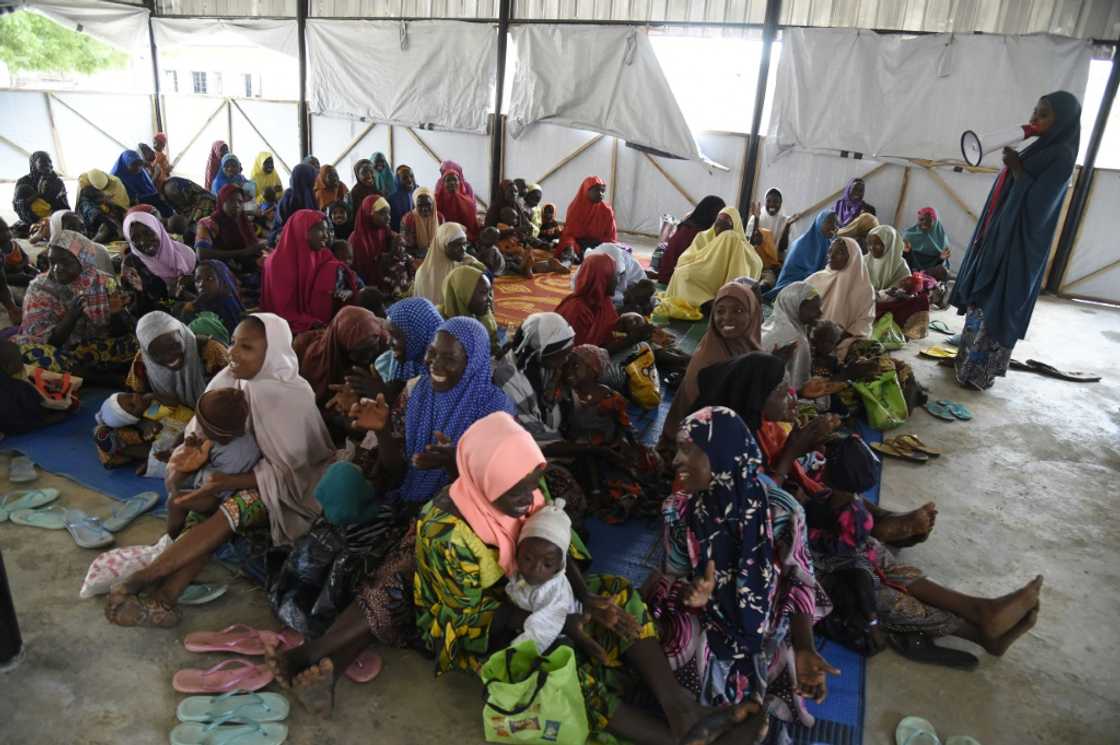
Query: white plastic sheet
[[276, 35], [425, 74], [603, 79], [892, 96], [119, 25]]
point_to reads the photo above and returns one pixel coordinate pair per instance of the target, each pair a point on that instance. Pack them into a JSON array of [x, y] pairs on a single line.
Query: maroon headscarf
[[234, 234]]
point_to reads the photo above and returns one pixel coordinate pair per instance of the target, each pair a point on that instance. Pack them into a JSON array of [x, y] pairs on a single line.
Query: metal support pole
[[304, 129], [497, 130], [750, 162], [1084, 181], [151, 4]]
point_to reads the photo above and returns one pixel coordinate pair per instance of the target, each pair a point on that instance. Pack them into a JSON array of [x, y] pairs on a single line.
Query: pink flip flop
[[242, 639], [227, 675], [366, 667]]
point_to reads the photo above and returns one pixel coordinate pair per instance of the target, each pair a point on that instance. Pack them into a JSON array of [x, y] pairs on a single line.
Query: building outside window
[[172, 80], [248, 85], [199, 81]]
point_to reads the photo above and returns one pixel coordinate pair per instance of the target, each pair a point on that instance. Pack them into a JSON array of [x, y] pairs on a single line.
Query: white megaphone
[[975, 146]]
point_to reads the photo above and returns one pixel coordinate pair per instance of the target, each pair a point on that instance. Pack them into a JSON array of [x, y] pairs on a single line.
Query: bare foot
[[279, 663], [715, 722], [998, 646], [1000, 615], [314, 688], [912, 527], [126, 609]]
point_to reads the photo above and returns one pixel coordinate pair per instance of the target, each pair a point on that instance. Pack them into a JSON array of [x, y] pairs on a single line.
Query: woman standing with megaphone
[[1002, 271]]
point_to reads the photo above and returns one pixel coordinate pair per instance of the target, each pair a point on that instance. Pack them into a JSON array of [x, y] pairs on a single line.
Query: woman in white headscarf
[[448, 250], [626, 267], [787, 332], [847, 297], [529, 373], [275, 500], [905, 296]]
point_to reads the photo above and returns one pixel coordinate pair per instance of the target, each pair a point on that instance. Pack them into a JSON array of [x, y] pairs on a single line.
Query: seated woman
[[735, 329], [217, 292], [401, 200], [41, 188], [786, 334], [218, 150], [419, 225], [71, 321], [154, 264], [102, 202], [274, 504], [894, 285], [629, 272], [449, 250], [231, 172], [590, 309], [374, 245], [300, 195], [508, 197], [173, 366], [927, 245], [189, 200], [900, 600], [354, 338], [302, 281], [847, 298], [342, 220], [364, 183], [772, 219], [413, 323], [63, 220], [530, 372], [737, 601], [716, 257], [467, 292], [854, 217], [457, 205], [129, 168], [264, 175], [329, 187], [532, 197], [228, 235], [16, 263], [588, 222], [808, 254], [383, 174], [702, 217]]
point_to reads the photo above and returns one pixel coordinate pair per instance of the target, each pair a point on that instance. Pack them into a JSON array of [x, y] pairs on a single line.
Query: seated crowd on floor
[[321, 365]]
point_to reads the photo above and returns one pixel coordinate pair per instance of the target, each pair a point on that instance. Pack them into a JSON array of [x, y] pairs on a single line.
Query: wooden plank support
[[354, 143], [435, 156], [264, 139], [15, 147], [812, 210], [668, 177], [952, 194], [902, 195], [87, 120], [198, 134], [569, 158], [614, 168], [54, 136]]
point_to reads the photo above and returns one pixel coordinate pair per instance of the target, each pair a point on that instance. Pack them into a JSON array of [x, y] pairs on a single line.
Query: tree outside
[[30, 42]]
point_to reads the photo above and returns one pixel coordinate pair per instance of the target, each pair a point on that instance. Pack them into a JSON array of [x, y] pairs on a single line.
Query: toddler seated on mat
[[218, 443], [540, 585], [22, 407]]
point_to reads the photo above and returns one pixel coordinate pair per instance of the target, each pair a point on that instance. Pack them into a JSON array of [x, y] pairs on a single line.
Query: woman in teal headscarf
[[927, 245], [1002, 272], [383, 177]]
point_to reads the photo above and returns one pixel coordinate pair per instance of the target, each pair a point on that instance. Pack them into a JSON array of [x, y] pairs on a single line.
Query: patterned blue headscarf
[[450, 412], [729, 524], [418, 320]]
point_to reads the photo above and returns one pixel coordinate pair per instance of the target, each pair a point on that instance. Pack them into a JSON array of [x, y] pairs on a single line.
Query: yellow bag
[[673, 308], [642, 377]]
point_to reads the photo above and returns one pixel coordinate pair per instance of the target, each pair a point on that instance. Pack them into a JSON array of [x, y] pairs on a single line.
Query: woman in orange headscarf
[[589, 220]]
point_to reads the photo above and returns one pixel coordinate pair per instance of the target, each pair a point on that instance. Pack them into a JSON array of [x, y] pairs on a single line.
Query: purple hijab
[[847, 208]]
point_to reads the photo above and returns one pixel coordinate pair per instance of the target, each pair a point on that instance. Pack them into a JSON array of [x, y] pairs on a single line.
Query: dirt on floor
[[1028, 487]]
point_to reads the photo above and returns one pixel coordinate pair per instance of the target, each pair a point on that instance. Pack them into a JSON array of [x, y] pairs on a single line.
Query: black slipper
[[920, 648], [1073, 376]]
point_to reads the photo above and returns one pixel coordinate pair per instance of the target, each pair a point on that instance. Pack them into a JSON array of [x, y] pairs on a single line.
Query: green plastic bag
[[883, 400], [887, 332], [533, 698]]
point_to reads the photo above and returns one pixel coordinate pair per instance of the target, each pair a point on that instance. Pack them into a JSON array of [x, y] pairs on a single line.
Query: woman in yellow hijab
[[111, 186], [718, 255], [466, 292], [265, 175]]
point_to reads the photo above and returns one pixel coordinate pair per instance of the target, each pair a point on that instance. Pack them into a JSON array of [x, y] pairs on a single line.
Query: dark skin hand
[[1013, 161]]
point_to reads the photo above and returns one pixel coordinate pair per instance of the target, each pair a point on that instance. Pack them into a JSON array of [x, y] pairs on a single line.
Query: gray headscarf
[[185, 384], [785, 327]]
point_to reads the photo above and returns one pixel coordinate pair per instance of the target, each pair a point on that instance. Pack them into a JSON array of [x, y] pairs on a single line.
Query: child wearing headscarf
[[329, 187], [264, 175]]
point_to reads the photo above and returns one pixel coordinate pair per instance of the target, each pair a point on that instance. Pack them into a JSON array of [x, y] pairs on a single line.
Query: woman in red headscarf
[[214, 162], [456, 206], [589, 309], [302, 279], [371, 239], [589, 220], [227, 234]]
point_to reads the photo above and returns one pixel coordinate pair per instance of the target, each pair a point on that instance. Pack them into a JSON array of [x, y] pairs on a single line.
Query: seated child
[[485, 249], [178, 226], [540, 585], [550, 229], [638, 298], [17, 266], [22, 407], [225, 446], [372, 300], [341, 221], [123, 434], [516, 246], [216, 292], [266, 208], [354, 284]]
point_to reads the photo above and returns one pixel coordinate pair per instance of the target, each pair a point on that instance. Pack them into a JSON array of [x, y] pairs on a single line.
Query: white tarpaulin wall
[[1094, 267], [892, 96], [599, 78], [435, 73], [276, 35], [126, 28]]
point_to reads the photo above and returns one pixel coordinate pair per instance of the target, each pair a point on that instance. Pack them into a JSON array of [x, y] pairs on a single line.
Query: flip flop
[[940, 327], [201, 593], [915, 731], [913, 442], [897, 451], [194, 733], [962, 740], [49, 518], [86, 530], [242, 639], [132, 508], [227, 675], [939, 410], [939, 352], [1072, 376], [959, 411], [919, 647], [31, 499], [236, 706], [366, 667], [21, 470]]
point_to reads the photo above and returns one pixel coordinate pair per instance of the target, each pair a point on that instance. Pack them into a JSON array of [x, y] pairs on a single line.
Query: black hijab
[[742, 384], [704, 215]]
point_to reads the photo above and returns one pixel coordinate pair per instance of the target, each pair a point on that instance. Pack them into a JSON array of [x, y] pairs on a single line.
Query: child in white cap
[[541, 586]]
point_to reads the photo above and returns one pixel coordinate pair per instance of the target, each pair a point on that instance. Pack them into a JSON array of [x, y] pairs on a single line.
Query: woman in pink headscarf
[[155, 262], [450, 166], [301, 280]]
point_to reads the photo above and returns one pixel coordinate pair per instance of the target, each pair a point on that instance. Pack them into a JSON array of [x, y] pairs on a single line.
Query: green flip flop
[[915, 731], [49, 518], [237, 707], [962, 740], [940, 327], [194, 733], [31, 499], [940, 410], [201, 593], [959, 411]]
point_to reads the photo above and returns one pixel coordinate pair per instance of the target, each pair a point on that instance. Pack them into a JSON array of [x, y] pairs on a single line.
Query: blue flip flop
[[31, 499], [86, 530], [236, 707], [48, 518], [254, 733], [940, 410], [132, 508], [21, 470], [959, 411], [201, 593], [915, 731]]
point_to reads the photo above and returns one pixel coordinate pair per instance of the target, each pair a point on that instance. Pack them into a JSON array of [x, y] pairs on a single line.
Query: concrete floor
[[1026, 488]]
